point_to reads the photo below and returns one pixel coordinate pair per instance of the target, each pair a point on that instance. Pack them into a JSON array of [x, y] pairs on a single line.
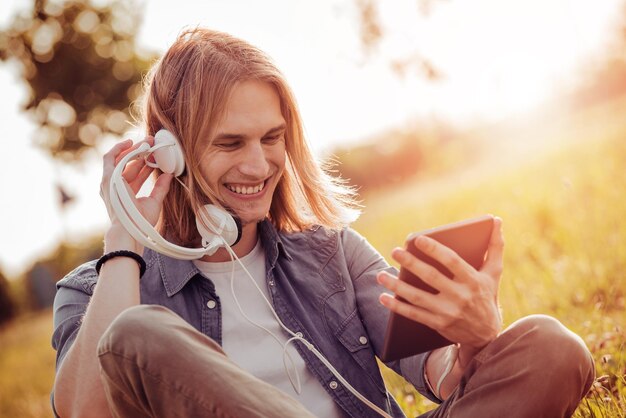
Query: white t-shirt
[[254, 349]]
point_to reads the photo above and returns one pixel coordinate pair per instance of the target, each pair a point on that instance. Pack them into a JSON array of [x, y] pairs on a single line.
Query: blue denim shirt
[[322, 283]]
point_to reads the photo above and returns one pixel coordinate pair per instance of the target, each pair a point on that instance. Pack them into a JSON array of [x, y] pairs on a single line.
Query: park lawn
[[26, 366], [565, 252]]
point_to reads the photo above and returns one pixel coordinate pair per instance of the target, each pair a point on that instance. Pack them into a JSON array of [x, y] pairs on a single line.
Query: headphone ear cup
[[169, 159], [218, 223]]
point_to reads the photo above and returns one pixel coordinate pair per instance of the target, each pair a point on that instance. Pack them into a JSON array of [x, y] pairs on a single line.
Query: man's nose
[[254, 161]]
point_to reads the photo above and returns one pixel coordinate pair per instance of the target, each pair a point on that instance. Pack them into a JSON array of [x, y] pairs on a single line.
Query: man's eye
[[272, 139], [227, 145]]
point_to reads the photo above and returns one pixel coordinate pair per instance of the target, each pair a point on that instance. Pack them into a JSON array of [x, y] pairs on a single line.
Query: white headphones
[[217, 227]]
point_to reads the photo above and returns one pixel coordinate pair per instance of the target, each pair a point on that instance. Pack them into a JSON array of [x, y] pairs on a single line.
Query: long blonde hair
[[186, 92]]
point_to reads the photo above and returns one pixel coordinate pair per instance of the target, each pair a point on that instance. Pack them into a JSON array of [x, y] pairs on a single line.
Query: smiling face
[[246, 156]]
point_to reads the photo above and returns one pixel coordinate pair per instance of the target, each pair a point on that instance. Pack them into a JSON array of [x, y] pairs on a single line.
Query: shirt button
[[211, 304], [333, 385], [363, 339]]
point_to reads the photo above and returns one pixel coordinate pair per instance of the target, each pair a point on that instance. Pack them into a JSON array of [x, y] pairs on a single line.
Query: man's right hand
[[135, 175]]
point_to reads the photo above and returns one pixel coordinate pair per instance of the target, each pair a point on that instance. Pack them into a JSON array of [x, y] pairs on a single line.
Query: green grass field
[[565, 250], [565, 256], [26, 367]]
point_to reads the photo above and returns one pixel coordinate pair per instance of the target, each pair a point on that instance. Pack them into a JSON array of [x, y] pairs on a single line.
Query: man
[[179, 341]]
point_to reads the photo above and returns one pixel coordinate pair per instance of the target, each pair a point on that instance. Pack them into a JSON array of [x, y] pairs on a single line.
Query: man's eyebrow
[[226, 135]]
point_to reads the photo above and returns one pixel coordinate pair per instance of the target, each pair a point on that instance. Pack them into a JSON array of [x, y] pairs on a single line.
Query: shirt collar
[[177, 273], [272, 243]]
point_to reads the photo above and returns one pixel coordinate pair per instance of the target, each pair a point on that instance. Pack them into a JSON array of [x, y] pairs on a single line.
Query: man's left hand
[[465, 309]]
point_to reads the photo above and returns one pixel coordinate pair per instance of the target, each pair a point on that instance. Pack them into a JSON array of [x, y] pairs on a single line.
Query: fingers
[[115, 154], [408, 292], [134, 167], [110, 158], [148, 139], [161, 187], [412, 312], [444, 255], [415, 313], [136, 171], [495, 252], [108, 165], [429, 274], [137, 175]]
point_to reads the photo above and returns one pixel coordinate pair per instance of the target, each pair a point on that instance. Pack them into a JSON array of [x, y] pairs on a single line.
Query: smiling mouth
[[244, 189]]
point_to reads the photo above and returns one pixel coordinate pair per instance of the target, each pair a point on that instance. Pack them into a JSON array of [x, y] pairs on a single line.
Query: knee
[[554, 350], [551, 338], [133, 329]]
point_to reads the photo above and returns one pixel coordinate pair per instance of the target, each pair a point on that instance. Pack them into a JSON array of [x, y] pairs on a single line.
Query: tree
[[606, 78], [42, 276], [82, 67], [372, 31], [7, 307]]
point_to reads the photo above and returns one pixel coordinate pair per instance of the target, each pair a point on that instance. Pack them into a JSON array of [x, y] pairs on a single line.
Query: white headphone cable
[[296, 337], [296, 385], [143, 232]]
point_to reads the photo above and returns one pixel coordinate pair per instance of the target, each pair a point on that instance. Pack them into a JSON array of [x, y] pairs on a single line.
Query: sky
[[498, 59]]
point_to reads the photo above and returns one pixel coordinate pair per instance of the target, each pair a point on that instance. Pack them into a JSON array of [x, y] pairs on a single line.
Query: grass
[[565, 253], [565, 256], [26, 366]]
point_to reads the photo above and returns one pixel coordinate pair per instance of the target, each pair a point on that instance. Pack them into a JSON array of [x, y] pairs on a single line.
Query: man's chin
[[250, 219], [246, 218]]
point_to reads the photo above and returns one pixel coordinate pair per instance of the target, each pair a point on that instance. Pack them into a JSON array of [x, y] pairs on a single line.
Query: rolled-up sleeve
[[364, 262], [70, 303]]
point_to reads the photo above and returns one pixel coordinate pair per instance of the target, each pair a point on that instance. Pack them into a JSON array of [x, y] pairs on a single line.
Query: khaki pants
[[536, 368], [154, 364]]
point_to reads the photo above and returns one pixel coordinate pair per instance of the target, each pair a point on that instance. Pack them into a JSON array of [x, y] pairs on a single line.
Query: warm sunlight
[[496, 59], [429, 111]]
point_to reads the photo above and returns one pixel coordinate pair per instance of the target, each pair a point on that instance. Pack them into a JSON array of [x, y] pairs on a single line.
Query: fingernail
[[384, 299], [421, 241]]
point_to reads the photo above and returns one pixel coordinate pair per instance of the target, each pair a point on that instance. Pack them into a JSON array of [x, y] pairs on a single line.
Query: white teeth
[[246, 190]]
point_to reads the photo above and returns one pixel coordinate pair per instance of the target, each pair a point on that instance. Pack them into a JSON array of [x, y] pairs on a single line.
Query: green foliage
[[82, 67]]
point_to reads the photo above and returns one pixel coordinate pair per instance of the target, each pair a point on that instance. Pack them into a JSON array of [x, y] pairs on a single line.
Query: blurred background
[[436, 110]]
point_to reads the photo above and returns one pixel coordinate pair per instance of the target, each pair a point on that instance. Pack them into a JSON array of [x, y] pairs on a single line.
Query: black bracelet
[[122, 253]]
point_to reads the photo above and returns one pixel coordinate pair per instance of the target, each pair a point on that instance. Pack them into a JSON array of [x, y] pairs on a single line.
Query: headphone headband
[[216, 226]]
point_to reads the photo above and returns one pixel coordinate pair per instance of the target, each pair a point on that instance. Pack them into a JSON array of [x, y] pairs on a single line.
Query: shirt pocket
[[353, 337]]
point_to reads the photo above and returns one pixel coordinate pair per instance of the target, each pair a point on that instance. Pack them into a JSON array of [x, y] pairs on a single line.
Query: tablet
[[469, 239]]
